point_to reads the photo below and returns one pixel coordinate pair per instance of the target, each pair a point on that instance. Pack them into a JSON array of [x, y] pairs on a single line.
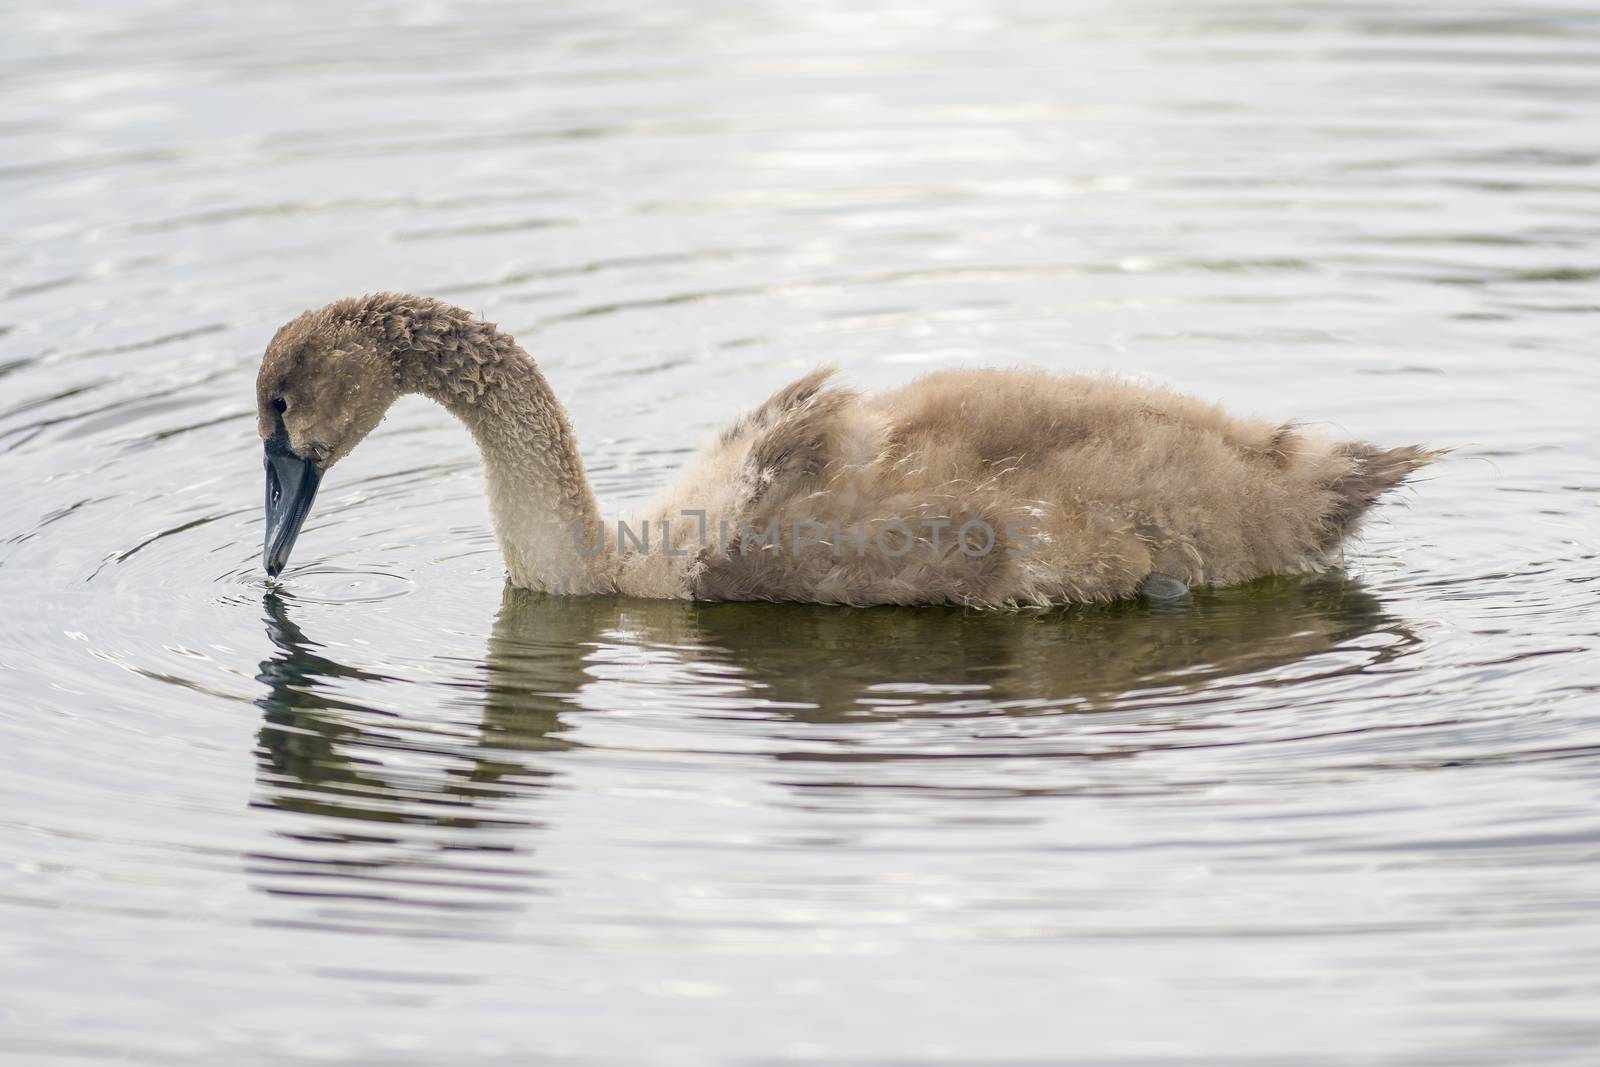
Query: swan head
[[324, 384]]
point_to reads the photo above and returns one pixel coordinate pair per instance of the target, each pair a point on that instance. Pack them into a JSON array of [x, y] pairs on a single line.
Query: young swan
[[984, 488]]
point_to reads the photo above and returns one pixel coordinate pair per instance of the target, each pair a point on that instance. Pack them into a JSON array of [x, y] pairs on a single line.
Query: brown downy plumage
[[986, 488]]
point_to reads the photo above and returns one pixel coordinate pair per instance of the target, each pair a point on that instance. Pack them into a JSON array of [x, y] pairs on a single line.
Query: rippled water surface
[[386, 812]]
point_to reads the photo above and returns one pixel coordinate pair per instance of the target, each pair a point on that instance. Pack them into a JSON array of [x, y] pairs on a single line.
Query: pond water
[[385, 812]]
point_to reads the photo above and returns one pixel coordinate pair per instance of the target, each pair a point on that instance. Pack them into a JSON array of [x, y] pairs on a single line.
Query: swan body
[[984, 488]]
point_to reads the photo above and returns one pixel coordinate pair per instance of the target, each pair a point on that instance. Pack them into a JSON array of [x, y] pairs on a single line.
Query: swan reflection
[[376, 795]]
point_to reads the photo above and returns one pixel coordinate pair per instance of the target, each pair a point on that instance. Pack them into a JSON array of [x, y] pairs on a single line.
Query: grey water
[[384, 811]]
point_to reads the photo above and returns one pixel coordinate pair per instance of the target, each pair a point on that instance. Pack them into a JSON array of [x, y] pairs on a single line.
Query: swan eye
[[280, 405]]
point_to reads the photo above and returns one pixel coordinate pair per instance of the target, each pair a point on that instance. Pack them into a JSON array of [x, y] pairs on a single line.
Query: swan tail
[[1373, 471]]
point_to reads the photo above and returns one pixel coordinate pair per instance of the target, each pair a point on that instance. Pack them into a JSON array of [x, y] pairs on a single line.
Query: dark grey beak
[[291, 487]]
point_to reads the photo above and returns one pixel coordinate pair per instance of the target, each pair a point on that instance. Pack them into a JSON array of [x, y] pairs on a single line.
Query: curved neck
[[539, 496]]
